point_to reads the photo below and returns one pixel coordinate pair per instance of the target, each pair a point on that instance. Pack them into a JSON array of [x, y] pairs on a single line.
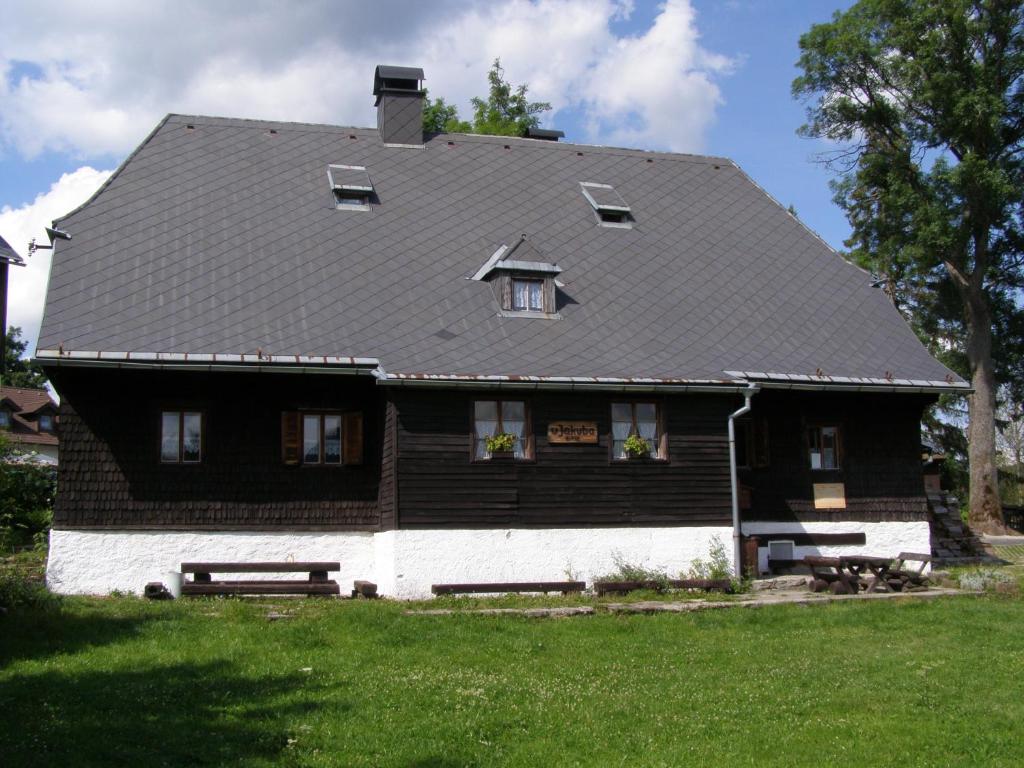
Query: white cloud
[[102, 73], [19, 225]]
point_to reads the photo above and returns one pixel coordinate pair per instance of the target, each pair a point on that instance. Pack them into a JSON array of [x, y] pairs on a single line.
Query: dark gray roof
[[8, 254], [225, 238]]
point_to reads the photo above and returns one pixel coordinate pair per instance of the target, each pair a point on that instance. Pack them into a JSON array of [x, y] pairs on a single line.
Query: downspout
[[748, 394]]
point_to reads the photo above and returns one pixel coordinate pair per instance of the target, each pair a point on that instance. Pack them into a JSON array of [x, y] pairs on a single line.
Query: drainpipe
[[748, 393]]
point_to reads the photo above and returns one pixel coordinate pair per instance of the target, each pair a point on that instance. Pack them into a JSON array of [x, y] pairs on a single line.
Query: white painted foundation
[[882, 539], [405, 563]]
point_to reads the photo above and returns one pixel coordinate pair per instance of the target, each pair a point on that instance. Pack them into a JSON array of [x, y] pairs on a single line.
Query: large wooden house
[[278, 340]]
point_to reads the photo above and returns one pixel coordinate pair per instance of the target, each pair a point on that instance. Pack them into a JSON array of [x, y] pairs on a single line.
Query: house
[[28, 419], [278, 340]]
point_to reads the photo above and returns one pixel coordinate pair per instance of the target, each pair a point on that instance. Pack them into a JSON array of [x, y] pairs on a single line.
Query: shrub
[[981, 579], [19, 589], [627, 571], [717, 566], [27, 490]]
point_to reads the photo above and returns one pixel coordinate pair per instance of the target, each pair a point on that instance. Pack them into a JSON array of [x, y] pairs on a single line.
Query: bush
[[18, 589], [981, 579], [27, 490], [627, 571], [717, 566]]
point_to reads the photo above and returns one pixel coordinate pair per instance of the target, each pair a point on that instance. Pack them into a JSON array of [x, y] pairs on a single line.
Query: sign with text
[[572, 432]]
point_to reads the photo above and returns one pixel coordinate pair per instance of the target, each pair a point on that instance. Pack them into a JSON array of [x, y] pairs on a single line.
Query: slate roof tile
[[224, 238]]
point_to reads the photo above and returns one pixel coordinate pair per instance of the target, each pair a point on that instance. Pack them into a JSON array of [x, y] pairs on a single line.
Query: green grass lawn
[[122, 681]]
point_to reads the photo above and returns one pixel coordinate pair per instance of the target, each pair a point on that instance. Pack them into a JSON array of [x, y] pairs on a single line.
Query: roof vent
[[544, 134], [351, 187], [609, 207], [399, 104]]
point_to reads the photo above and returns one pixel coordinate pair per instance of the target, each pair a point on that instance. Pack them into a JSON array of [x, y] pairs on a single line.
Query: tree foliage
[[27, 490], [505, 112], [20, 372], [924, 99]]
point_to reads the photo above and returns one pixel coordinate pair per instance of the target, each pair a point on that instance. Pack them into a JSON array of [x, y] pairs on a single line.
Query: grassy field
[[121, 681]]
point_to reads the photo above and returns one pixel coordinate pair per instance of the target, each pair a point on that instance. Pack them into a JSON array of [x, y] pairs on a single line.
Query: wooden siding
[[386, 498], [110, 474], [565, 485], [881, 457]]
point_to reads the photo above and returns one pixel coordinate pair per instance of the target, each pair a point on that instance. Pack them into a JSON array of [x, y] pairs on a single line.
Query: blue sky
[[82, 84]]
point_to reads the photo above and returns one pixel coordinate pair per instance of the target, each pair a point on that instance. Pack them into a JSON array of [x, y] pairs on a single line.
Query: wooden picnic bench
[[831, 574], [871, 572], [317, 582], [908, 579], [565, 587]]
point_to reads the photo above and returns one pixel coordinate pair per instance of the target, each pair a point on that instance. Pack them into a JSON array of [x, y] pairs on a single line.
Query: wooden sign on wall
[[561, 432]]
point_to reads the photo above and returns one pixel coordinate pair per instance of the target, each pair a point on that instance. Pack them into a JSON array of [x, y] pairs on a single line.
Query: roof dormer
[[523, 279], [351, 186]]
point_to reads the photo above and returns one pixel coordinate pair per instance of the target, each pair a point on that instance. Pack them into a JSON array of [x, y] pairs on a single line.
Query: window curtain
[[622, 423], [169, 436], [193, 437], [311, 439], [513, 420], [485, 418], [647, 425], [332, 439], [520, 294]]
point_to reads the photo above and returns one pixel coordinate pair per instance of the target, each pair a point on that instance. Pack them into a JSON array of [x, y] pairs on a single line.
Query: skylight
[[351, 187], [609, 207]]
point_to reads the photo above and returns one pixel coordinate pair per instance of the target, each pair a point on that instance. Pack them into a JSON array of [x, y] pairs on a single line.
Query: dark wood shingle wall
[[110, 471]]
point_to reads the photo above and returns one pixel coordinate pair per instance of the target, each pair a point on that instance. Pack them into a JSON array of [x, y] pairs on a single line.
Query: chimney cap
[[545, 134], [403, 78]]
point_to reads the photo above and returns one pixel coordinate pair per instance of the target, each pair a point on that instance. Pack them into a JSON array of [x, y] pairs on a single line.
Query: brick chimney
[[399, 92]]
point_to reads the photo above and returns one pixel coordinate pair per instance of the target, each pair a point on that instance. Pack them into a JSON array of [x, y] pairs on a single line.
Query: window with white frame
[[181, 437], [321, 438], [498, 417], [640, 419], [527, 295], [824, 446]]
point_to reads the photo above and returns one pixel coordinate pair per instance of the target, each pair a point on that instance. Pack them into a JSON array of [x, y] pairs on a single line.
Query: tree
[[20, 372], [439, 117], [505, 111], [926, 99]]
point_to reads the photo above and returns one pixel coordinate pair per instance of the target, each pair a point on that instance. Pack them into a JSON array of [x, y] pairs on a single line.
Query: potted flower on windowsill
[[636, 447], [501, 446]]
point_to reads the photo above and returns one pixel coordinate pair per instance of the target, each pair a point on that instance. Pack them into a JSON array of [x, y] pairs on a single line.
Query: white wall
[[405, 563], [882, 539], [97, 562]]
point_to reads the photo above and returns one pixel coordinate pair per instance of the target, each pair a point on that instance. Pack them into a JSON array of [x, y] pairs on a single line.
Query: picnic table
[[830, 573], [864, 566]]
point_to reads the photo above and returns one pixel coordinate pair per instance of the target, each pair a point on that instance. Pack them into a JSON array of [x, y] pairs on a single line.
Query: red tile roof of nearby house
[[25, 405]]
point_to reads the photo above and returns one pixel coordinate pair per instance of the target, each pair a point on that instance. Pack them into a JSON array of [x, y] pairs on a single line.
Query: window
[[641, 419], [351, 186], [752, 443], [45, 422], [321, 439], [744, 442], [5, 419], [495, 417], [608, 205], [527, 295], [823, 442], [181, 437]]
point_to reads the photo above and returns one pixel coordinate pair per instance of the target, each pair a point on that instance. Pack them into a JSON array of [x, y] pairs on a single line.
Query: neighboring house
[[278, 340], [28, 419]]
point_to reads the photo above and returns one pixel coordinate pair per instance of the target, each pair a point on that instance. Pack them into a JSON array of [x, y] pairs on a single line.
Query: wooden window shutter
[[352, 437], [761, 456], [505, 284], [291, 437], [549, 295]]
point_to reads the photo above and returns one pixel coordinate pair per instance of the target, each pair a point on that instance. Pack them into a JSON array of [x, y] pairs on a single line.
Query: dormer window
[[351, 186], [5, 418], [609, 207], [45, 422], [523, 280]]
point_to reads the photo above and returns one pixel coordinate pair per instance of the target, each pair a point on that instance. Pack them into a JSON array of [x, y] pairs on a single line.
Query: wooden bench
[[565, 587], [622, 587], [830, 573], [316, 583], [908, 579]]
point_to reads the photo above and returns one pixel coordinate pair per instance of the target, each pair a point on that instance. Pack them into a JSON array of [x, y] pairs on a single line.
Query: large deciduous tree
[[20, 372], [924, 101]]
